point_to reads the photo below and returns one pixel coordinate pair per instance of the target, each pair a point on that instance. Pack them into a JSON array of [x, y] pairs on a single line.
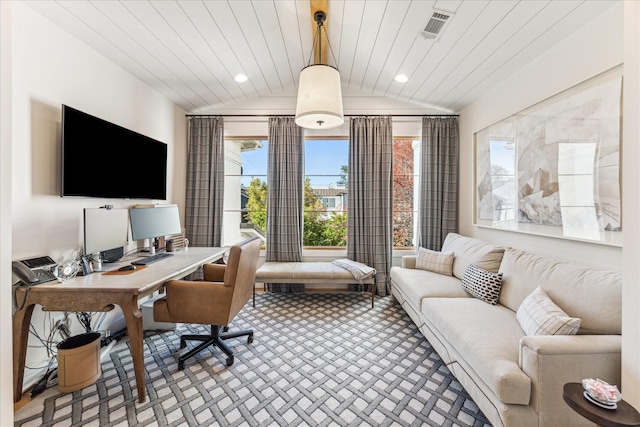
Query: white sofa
[[516, 379]]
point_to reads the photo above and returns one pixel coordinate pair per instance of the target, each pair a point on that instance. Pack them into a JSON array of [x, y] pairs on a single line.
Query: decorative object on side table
[[622, 416], [601, 393]]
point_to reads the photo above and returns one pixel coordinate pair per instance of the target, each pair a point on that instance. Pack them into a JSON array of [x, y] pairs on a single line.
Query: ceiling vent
[[436, 25]]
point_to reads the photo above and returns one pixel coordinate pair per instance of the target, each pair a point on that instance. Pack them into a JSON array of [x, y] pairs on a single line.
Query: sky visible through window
[[323, 160]]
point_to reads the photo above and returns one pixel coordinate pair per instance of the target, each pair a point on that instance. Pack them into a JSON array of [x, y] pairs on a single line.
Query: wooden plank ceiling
[[191, 50]]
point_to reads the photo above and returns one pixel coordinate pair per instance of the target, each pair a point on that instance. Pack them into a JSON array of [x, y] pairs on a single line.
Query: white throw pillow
[[437, 262], [538, 315], [482, 284]]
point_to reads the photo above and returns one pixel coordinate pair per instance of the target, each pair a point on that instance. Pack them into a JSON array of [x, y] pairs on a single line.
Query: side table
[[624, 415]]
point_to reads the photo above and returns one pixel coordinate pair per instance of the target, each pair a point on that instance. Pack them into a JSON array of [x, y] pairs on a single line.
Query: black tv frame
[[105, 160]]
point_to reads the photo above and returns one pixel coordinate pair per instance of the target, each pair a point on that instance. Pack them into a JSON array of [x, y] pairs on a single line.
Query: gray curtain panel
[[438, 210], [285, 203], [369, 220], [205, 181]]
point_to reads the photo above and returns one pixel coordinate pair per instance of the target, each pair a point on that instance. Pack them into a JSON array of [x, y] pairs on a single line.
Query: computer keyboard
[[151, 259]]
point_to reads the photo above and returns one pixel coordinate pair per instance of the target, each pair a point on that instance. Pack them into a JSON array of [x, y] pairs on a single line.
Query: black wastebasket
[[78, 362]]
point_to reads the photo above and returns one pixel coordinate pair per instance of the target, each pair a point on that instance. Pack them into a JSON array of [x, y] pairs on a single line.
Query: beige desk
[[100, 292]]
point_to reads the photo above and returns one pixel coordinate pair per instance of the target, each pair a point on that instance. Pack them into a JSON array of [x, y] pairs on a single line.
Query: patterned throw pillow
[[482, 284], [438, 262], [538, 315]]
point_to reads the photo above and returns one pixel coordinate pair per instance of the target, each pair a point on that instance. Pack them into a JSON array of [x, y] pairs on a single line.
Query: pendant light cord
[[320, 17]]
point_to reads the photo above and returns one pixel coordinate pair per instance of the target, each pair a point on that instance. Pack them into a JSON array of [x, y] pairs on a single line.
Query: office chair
[[214, 301]]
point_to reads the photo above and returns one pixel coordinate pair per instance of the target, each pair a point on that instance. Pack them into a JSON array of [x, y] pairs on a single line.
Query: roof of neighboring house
[[329, 191]]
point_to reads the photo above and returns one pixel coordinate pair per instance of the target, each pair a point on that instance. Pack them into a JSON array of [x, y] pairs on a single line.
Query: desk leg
[[133, 318], [21, 322]]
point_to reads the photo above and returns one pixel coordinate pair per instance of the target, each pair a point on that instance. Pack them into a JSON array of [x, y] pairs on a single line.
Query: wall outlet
[[57, 321]]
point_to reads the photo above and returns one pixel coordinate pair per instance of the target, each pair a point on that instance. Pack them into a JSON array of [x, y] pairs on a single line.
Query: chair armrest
[[409, 261], [214, 272], [551, 361], [197, 301]]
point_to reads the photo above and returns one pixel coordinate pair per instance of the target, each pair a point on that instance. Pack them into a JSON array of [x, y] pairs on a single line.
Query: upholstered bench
[[308, 273]]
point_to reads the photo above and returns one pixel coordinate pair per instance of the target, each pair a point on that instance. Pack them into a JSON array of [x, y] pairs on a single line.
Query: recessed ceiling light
[[241, 78], [401, 78]]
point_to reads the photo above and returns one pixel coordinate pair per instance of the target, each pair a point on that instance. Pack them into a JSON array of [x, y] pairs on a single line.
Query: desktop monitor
[[152, 222], [105, 229]]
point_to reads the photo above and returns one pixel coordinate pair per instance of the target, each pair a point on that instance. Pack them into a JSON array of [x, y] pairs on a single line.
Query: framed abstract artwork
[[554, 168]]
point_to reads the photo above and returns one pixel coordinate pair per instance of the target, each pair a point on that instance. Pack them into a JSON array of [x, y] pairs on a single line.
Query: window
[[325, 191], [404, 186], [329, 202], [326, 166], [245, 190]]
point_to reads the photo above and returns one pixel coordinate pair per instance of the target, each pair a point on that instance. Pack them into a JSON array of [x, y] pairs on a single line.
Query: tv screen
[[101, 159]]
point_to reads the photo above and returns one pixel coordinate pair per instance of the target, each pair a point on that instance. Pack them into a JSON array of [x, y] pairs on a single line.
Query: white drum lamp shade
[[319, 98]]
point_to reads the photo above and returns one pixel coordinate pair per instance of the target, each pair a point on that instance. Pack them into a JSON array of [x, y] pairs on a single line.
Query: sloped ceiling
[[191, 50]]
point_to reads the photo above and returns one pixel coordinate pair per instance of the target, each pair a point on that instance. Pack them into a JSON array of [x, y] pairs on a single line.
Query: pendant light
[[319, 103]]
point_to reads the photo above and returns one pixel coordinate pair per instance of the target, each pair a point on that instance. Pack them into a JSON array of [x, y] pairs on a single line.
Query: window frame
[[416, 173]]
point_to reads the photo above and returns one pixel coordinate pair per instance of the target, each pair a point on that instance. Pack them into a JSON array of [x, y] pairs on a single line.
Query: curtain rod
[[346, 115]]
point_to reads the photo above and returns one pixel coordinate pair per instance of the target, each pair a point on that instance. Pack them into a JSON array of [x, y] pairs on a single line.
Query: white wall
[[598, 47], [51, 68], [631, 206], [594, 49], [6, 366]]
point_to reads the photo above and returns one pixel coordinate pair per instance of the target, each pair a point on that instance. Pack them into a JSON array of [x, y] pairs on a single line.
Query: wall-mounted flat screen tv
[[102, 159]]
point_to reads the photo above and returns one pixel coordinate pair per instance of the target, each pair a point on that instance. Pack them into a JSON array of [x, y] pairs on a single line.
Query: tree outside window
[[403, 189]]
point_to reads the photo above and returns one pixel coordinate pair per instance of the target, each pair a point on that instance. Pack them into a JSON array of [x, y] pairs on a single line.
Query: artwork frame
[[553, 169]]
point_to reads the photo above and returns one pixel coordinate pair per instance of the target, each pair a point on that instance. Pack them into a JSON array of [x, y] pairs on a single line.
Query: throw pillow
[[438, 262], [538, 315], [482, 284]]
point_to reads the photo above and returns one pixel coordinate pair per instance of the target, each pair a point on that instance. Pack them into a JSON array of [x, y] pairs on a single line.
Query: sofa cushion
[[594, 296], [482, 284], [437, 262], [538, 315], [417, 284], [487, 337], [472, 251]]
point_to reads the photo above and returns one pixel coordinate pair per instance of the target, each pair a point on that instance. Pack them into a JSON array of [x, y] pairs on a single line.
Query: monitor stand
[[96, 261], [152, 246]]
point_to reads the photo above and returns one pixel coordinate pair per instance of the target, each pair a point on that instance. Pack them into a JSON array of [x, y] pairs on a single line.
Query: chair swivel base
[[215, 339]]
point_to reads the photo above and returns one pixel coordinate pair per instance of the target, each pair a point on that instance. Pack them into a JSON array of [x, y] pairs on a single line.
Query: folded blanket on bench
[[359, 270]]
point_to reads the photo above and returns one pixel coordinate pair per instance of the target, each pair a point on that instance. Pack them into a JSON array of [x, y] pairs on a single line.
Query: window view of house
[[325, 191], [326, 174]]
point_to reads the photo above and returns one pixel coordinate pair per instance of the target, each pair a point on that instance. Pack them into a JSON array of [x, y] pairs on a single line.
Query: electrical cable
[[103, 316], [32, 331], [42, 384], [26, 288], [85, 319]]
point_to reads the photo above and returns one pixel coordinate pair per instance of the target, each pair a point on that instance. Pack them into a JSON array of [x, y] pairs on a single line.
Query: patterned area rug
[[318, 359]]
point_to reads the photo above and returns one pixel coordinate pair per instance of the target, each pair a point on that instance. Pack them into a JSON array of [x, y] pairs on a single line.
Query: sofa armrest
[[551, 361], [409, 261]]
